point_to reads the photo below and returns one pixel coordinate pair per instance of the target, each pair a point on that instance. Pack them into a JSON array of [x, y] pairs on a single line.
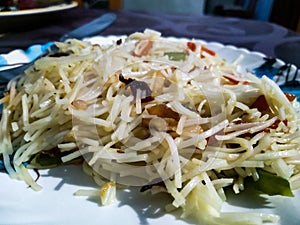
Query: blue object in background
[[267, 69], [263, 9], [291, 84], [3, 61], [2, 167], [35, 51]]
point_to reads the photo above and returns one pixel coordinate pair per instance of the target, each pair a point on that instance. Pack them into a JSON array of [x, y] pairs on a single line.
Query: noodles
[[151, 111]]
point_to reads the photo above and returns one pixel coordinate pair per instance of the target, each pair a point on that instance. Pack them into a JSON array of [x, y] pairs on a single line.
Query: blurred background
[[282, 12]]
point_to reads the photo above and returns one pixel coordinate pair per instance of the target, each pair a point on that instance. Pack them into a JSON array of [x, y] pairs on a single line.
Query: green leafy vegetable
[[176, 56], [46, 159], [271, 184], [49, 159]]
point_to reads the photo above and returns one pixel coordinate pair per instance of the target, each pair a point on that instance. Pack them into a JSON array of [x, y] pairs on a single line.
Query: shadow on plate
[[148, 206], [145, 205], [71, 174], [249, 198]]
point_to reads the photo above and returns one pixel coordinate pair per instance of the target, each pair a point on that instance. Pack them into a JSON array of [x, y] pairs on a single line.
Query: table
[[268, 38]]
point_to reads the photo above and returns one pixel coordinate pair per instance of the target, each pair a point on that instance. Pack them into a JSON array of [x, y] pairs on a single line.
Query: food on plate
[[167, 115]]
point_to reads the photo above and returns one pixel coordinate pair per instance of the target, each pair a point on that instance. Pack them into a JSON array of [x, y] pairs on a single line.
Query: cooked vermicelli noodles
[[149, 111]]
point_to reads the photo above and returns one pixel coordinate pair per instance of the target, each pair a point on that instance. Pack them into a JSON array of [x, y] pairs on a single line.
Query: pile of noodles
[[150, 111]]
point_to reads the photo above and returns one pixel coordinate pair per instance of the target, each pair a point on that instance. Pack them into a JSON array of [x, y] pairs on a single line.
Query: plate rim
[[48, 9]]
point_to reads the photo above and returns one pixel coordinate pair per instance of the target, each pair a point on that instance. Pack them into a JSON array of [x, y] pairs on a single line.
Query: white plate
[[49, 9], [55, 203]]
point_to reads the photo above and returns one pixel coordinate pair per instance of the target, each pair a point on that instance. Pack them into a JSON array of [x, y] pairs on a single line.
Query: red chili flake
[[290, 97], [261, 104], [192, 46], [275, 124], [208, 51], [231, 80], [234, 81]]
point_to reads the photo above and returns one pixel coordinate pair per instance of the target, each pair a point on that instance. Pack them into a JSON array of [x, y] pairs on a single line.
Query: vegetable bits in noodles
[[158, 113]]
